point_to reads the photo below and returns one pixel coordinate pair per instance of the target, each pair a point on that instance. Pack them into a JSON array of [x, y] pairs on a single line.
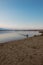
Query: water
[[15, 35]]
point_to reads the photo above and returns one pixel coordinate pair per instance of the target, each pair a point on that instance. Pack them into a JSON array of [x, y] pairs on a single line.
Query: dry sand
[[22, 52]]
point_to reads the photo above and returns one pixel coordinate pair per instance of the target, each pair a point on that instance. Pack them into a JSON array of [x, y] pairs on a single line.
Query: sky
[[21, 14]]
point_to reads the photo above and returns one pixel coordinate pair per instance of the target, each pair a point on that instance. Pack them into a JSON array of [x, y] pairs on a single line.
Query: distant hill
[[1, 29], [5, 29]]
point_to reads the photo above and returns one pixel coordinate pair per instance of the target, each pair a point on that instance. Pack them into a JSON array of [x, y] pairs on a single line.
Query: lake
[[15, 35]]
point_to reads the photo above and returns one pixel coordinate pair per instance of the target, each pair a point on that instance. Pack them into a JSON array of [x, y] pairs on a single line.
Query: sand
[[22, 52]]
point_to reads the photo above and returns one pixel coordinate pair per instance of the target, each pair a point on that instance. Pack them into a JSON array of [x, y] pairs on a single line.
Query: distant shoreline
[[24, 30]]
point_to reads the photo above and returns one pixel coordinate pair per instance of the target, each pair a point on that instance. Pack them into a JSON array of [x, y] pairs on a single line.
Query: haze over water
[[13, 35]]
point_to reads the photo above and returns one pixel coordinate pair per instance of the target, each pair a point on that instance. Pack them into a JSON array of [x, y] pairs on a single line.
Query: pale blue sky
[[21, 14]]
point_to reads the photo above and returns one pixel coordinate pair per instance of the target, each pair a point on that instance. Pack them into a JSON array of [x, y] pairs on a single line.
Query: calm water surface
[[15, 35]]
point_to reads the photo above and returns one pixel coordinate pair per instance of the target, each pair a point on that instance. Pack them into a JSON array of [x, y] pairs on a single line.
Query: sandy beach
[[22, 52]]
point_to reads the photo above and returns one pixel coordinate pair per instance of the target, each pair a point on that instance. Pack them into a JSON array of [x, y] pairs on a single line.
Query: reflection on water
[[16, 35]]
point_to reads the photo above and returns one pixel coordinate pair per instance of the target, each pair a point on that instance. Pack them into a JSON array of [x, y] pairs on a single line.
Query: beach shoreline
[[22, 52]]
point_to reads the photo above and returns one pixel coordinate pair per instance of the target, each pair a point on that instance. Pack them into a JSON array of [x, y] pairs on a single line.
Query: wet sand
[[22, 52]]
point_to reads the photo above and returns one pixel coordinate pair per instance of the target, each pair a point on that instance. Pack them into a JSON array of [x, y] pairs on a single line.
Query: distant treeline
[[23, 30]]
